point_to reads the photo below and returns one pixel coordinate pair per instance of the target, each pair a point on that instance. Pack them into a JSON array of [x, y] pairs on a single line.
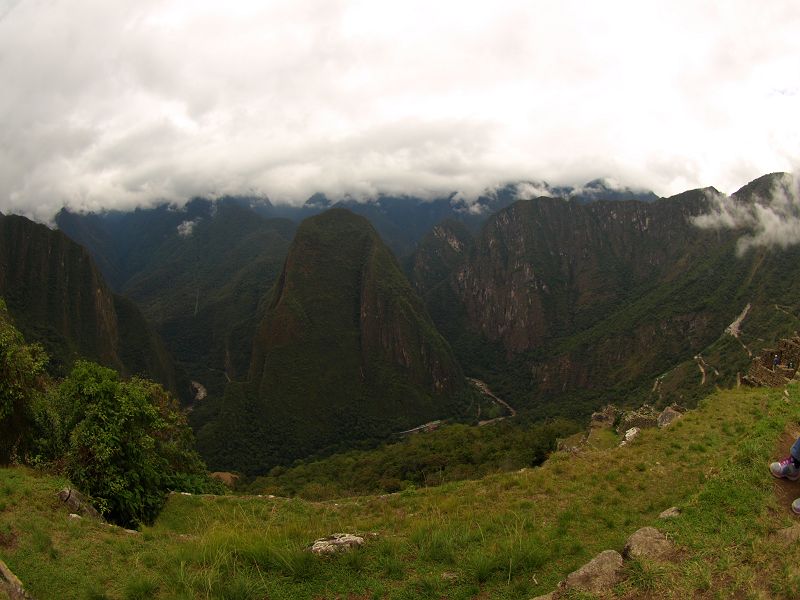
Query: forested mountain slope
[[59, 298], [345, 351]]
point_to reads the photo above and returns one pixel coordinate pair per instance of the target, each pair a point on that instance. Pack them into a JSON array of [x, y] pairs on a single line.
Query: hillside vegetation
[[512, 535]]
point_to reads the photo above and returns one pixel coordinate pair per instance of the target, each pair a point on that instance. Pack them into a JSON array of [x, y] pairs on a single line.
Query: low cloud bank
[[769, 217]]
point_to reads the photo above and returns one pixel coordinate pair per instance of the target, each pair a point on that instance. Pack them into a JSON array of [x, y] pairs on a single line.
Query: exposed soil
[[8, 539], [786, 491]]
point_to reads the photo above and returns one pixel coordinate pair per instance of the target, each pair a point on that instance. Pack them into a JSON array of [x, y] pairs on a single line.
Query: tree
[[128, 445], [21, 381]]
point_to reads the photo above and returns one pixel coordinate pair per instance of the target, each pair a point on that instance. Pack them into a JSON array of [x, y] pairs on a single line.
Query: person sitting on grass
[[789, 468]]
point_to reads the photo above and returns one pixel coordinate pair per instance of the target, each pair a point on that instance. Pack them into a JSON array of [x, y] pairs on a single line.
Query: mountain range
[[310, 336]]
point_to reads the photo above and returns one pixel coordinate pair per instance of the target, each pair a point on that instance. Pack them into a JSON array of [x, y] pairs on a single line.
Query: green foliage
[[21, 368], [452, 453], [125, 443], [128, 442]]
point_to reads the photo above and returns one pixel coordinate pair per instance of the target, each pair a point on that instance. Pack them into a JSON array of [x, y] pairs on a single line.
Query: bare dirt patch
[[785, 491], [8, 539]]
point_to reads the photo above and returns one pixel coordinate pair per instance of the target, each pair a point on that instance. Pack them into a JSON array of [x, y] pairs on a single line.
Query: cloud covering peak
[[108, 103], [767, 217]]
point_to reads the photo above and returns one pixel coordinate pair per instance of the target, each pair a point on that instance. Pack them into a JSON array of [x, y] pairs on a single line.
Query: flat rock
[[670, 513], [338, 542], [649, 543], [790, 535], [598, 575]]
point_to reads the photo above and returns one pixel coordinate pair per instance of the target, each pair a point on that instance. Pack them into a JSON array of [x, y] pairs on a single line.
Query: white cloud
[[527, 190], [112, 103], [186, 228], [772, 219]]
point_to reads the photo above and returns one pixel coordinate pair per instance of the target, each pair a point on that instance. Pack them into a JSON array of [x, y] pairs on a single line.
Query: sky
[[117, 104]]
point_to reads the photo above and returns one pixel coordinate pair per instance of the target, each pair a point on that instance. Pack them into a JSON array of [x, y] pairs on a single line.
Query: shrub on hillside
[[21, 369], [127, 443]]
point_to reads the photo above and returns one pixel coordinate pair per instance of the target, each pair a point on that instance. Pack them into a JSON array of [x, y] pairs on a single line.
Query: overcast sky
[[108, 103]]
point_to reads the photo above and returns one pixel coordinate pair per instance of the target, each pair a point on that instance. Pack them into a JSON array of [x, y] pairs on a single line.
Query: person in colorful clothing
[[789, 468]]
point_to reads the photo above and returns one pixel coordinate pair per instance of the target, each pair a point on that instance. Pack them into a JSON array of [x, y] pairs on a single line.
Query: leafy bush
[[21, 367], [128, 443]]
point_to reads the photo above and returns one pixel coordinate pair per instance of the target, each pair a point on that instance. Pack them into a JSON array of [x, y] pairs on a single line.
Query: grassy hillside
[[507, 536]]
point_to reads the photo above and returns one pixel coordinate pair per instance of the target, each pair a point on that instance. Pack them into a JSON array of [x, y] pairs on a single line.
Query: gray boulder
[[649, 543], [338, 542], [668, 416], [78, 503], [598, 575]]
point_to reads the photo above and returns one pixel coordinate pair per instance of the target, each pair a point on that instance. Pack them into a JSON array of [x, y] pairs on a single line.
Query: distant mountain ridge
[[199, 274], [560, 304], [58, 298], [561, 299]]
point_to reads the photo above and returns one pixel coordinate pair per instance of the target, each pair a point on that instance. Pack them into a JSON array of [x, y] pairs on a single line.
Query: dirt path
[[735, 328], [484, 389]]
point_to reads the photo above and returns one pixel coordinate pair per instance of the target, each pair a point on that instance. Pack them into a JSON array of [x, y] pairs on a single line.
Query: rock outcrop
[[78, 503], [649, 543], [598, 575], [604, 571], [669, 415], [57, 297], [336, 543]]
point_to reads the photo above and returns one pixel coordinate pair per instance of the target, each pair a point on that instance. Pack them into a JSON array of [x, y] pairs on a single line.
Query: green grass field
[[513, 535]]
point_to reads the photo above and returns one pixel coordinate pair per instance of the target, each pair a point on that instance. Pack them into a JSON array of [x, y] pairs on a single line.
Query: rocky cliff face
[[590, 298], [199, 275], [57, 297], [342, 288], [543, 268]]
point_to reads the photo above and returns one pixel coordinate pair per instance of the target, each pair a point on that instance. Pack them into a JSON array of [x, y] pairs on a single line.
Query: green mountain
[[198, 274], [345, 352], [58, 298], [562, 306]]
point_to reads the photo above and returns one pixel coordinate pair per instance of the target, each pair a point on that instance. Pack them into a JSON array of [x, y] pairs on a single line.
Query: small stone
[[670, 513], [598, 575], [649, 543], [450, 576], [338, 542], [130, 531], [186, 494], [630, 435], [74, 516]]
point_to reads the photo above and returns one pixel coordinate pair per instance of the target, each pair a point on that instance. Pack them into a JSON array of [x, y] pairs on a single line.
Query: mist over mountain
[[560, 298], [560, 304]]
